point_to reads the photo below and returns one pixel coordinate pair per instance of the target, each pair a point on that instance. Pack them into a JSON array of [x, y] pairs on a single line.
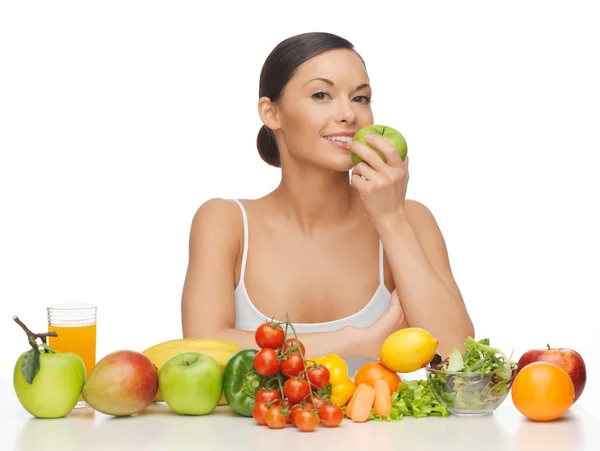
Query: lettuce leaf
[[413, 398]]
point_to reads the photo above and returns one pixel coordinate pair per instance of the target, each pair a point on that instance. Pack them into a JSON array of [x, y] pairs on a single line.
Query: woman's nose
[[346, 113]]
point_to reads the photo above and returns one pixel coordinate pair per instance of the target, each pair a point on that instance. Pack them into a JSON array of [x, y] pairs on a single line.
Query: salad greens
[[413, 398], [483, 376]]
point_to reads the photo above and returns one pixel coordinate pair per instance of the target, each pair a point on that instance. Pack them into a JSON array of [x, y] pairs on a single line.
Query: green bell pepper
[[241, 382]]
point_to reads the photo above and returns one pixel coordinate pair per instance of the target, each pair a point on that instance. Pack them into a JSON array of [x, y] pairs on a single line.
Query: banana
[[221, 355], [206, 343]]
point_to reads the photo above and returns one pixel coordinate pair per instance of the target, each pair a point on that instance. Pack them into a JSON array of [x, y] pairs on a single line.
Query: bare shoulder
[[428, 233], [217, 218], [419, 215], [217, 207]]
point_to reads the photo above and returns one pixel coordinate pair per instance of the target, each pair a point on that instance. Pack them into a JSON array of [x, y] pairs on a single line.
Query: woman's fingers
[[364, 170], [367, 155], [391, 155]]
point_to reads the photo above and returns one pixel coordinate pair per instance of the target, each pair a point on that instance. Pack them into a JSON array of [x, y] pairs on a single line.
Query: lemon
[[407, 350]]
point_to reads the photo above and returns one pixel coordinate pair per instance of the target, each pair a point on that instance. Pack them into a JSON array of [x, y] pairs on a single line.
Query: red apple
[[568, 359]]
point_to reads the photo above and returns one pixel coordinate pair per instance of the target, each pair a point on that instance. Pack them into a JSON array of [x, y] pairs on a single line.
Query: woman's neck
[[316, 201]]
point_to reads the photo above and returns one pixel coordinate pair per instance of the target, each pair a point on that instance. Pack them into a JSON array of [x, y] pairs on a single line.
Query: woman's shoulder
[[419, 215], [218, 215]]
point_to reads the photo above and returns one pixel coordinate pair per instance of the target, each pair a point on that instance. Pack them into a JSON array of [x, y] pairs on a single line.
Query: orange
[[371, 372], [543, 391]]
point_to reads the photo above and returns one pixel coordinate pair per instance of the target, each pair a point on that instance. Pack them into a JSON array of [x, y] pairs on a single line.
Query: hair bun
[[267, 147]]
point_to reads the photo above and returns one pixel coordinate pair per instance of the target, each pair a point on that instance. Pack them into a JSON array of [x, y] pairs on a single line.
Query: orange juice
[[78, 339]]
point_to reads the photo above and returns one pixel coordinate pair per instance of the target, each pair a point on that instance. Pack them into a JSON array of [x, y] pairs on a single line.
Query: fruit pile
[[548, 382], [278, 385]]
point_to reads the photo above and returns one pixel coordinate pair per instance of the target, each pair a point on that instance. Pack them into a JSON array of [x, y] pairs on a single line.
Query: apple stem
[[31, 337], [548, 346]]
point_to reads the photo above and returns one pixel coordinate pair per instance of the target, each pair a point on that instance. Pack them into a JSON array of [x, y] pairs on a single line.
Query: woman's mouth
[[339, 141]]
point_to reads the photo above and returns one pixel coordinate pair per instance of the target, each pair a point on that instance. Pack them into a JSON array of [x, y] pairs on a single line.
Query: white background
[[119, 119]]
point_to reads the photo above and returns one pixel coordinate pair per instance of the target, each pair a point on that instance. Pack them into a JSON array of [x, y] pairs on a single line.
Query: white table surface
[[159, 428]]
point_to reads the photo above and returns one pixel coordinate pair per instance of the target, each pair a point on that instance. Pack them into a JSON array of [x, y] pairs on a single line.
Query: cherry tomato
[[258, 413], [296, 389], [266, 396], [318, 376], [265, 362], [269, 335], [294, 411], [297, 408], [292, 344], [319, 402], [275, 419], [293, 365], [306, 421], [331, 415]]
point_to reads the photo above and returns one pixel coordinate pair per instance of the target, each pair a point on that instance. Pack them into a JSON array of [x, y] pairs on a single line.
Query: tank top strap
[[245, 252], [381, 266]]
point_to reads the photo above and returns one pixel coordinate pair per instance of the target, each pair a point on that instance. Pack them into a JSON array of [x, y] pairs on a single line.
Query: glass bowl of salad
[[474, 383]]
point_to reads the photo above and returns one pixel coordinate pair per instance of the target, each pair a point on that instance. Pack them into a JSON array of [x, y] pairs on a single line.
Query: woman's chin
[[340, 164]]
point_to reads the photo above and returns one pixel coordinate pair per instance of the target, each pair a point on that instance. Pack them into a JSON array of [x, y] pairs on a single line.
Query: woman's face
[[321, 107]]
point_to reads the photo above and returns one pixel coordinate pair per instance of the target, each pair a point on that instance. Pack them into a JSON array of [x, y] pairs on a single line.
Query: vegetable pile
[[278, 385]]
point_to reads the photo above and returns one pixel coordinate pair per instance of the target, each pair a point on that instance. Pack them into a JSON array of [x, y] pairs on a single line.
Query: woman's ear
[[268, 113]]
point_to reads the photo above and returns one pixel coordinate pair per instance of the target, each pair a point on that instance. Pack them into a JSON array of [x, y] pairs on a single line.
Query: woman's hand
[[381, 184], [388, 323]]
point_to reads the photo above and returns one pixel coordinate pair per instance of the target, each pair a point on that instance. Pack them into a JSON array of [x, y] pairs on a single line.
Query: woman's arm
[[430, 297], [207, 305]]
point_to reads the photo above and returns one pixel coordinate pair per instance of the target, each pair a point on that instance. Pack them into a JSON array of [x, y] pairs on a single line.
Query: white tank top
[[247, 316]]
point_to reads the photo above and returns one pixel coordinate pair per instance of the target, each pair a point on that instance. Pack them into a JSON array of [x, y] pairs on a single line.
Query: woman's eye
[[319, 95], [363, 99]]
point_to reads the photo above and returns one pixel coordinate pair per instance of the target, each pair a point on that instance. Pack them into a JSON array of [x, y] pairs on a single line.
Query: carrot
[[383, 399], [350, 405], [362, 403]]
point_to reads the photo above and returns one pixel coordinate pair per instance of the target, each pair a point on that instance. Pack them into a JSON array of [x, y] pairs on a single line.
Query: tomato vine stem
[[287, 321]]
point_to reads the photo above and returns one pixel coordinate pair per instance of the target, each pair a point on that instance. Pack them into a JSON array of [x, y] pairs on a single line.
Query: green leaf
[[413, 398], [31, 364], [455, 361]]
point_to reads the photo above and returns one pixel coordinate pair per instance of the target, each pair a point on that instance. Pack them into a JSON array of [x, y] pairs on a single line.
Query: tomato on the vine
[[319, 402], [269, 335], [318, 376], [266, 395], [331, 415], [296, 389], [266, 362], [258, 413], [293, 365], [275, 418], [294, 345], [294, 411], [297, 408], [306, 421]]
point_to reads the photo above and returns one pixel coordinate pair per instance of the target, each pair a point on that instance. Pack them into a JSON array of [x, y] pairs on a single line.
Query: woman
[[336, 247]]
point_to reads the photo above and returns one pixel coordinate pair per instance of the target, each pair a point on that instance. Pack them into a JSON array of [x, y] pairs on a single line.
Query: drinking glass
[[75, 325]]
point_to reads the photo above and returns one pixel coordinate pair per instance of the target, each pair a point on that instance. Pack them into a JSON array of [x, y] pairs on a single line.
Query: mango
[[122, 383]]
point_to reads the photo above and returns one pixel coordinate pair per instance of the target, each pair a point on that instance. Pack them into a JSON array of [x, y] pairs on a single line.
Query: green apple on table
[[394, 137], [191, 383], [47, 383]]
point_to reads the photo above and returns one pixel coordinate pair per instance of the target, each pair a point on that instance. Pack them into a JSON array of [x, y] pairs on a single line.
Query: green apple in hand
[[47, 383], [191, 383], [394, 137]]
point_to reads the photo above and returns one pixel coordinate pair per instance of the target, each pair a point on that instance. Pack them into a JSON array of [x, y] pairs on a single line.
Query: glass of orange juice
[[75, 325]]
